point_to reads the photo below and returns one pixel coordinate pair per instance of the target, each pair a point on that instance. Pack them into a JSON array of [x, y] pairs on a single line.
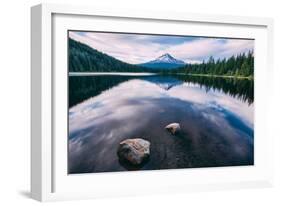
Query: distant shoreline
[[218, 76], [111, 73], [152, 74]]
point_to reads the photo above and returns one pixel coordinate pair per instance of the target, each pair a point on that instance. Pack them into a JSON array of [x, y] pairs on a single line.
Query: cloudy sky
[[136, 48]]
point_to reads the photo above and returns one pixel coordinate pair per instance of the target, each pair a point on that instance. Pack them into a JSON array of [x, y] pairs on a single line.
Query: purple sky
[[136, 48]]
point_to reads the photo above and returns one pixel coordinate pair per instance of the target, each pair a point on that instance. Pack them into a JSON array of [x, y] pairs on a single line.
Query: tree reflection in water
[[215, 114], [84, 87]]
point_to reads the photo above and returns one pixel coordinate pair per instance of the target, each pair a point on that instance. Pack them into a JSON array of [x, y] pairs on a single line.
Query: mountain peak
[[166, 55], [164, 61], [167, 58]]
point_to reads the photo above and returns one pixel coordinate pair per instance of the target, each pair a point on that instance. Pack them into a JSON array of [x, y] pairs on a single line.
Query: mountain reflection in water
[[215, 114]]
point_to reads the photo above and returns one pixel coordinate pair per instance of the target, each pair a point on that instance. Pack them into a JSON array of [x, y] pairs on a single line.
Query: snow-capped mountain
[[167, 58], [165, 61]]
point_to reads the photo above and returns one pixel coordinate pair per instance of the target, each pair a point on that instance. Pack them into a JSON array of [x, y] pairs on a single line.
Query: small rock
[[173, 128], [134, 151]]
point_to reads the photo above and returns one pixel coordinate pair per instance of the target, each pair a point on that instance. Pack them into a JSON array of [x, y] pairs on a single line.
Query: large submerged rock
[[173, 128], [134, 151]]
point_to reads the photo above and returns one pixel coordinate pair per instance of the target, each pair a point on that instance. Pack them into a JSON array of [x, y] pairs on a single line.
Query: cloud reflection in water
[[217, 129]]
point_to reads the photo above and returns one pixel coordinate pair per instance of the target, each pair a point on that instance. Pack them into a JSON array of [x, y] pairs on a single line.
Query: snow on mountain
[[167, 58], [165, 61]]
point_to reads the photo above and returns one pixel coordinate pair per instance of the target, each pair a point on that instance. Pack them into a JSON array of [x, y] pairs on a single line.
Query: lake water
[[215, 115]]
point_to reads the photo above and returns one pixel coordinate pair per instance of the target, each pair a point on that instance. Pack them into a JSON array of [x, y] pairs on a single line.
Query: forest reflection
[[83, 87]]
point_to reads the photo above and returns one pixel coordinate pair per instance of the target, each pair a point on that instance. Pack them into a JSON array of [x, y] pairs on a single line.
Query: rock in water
[[173, 128], [134, 151]]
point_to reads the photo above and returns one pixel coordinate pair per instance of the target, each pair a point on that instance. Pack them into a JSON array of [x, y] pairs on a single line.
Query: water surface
[[215, 114]]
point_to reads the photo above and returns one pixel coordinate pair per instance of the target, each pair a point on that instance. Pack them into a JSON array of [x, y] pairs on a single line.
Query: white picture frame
[[49, 180]]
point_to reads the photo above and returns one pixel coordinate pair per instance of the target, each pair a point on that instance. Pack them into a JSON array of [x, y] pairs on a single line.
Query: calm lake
[[216, 117]]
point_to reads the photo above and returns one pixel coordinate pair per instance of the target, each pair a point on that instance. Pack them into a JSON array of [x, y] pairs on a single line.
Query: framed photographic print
[[136, 102]]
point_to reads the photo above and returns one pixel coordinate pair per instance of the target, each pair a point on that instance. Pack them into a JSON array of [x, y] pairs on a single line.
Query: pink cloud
[[136, 49]]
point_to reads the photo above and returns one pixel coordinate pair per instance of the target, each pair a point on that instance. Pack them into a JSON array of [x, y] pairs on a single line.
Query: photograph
[[142, 101]]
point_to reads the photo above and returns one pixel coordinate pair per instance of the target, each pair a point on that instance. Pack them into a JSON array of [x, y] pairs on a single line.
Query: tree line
[[83, 58], [240, 65]]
